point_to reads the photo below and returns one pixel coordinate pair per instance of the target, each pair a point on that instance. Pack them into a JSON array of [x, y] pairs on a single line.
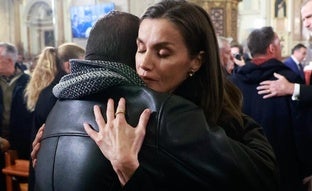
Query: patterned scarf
[[89, 77]]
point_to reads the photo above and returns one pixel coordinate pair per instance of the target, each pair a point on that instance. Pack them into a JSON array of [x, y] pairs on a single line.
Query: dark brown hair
[[208, 87]]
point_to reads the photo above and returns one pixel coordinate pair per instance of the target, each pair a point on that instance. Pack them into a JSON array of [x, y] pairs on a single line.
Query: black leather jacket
[[180, 150]]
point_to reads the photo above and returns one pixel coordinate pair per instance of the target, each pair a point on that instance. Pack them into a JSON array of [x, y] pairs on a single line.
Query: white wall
[[6, 21], [252, 14], [137, 7]]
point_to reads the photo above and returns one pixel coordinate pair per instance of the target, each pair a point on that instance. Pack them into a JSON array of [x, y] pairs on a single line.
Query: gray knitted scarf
[[89, 77]]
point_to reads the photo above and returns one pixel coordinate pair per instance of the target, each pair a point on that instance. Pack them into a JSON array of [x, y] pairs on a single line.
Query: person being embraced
[[177, 142]]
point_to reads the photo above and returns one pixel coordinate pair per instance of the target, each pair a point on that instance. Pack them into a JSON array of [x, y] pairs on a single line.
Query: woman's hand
[[36, 145], [119, 142]]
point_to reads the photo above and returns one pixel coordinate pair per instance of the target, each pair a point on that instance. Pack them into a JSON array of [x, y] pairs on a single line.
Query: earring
[[191, 73]]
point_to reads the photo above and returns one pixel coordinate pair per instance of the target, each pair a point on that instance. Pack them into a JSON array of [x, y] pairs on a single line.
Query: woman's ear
[[197, 62]]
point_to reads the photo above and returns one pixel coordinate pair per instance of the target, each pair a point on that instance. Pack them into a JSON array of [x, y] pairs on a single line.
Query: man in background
[[238, 55], [294, 62], [226, 56], [16, 120]]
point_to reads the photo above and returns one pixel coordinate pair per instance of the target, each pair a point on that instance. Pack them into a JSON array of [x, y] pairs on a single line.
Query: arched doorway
[[40, 30]]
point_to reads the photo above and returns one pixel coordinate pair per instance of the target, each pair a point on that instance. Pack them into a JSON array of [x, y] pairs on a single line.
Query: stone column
[[17, 26], [58, 16]]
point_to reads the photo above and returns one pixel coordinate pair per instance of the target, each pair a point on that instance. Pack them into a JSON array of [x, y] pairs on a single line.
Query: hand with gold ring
[[119, 142], [119, 112]]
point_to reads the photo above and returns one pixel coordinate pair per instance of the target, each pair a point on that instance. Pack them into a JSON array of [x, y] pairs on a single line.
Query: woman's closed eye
[[163, 53], [141, 49]]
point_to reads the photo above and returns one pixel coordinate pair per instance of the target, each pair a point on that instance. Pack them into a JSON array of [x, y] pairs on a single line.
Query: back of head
[[259, 40], [51, 60], [206, 86], [67, 51], [113, 38], [50, 65], [10, 51]]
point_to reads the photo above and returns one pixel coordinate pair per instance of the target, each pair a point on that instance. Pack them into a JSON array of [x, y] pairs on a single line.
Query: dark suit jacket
[[305, 130], [290, 63], [305, 94], [304, 120]]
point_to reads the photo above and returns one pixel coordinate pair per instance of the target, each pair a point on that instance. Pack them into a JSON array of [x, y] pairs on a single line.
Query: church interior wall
[[6, 20], [251, 14]]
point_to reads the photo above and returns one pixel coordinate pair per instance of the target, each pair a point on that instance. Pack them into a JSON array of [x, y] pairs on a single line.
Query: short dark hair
[[297, 47], [259, 40], [113, 38]]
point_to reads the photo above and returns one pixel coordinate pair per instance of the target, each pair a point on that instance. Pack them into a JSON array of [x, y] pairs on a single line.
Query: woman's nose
[[146, 61]]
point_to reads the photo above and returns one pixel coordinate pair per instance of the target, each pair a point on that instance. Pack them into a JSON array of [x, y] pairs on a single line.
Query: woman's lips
[[149, 79]]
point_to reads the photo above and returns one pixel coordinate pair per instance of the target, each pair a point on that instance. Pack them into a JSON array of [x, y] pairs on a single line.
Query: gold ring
[[119, 112]]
